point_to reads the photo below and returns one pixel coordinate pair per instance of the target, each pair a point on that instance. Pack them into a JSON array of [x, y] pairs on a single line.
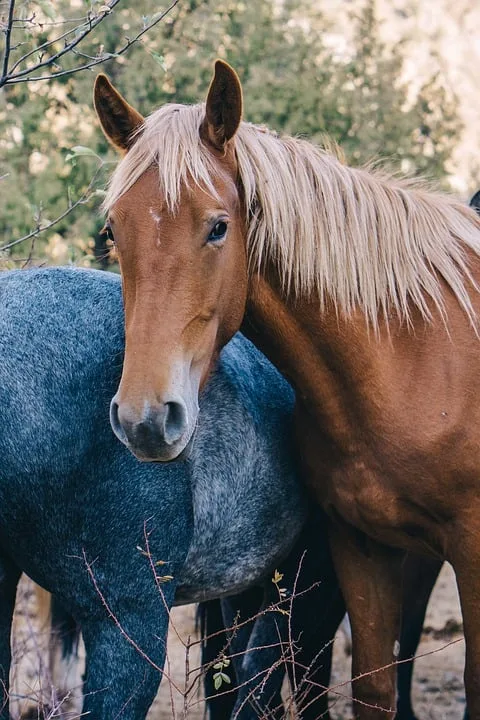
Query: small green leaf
[[159, 59], [225, 678], [80, 150], [217, 682]]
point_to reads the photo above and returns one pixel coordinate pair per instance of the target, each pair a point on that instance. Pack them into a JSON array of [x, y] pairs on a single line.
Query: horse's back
[[61, 344]]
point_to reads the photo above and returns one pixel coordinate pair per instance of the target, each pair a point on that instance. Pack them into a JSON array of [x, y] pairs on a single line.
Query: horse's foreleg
[[256, 648], [261, 669], [125, 656], [419, 576], [9, 577], [297, 634], [226, 630], [370, 578]]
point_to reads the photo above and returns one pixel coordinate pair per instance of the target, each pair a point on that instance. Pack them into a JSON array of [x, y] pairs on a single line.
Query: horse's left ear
[[118, 119], [223, 111]]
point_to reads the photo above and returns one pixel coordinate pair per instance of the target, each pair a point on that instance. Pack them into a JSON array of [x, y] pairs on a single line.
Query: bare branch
[[12, 78], [91, 24], [8, 33]]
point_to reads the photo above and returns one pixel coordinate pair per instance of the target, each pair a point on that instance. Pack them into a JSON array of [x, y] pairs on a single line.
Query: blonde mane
[[354, 236]]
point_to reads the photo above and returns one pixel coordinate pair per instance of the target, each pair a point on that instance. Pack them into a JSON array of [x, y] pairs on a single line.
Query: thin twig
[[187, 677], [148, 554], [28, 260], [38, 230], [170, 688], [43, 46]]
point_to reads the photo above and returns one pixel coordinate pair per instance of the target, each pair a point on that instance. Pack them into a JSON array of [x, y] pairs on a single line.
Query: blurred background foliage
[[294, 80]]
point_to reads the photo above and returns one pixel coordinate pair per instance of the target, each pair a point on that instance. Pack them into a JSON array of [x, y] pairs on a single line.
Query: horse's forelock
[[168, 139]]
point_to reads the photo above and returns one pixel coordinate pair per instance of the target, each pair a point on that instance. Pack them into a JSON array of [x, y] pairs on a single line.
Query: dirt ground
[[438, 684]]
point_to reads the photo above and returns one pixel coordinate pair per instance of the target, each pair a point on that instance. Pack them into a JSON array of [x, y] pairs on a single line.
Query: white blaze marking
[[157, 220]]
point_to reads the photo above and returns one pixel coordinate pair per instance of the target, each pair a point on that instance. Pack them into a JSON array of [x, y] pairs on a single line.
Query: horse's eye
[[106, 233], [218, 232]]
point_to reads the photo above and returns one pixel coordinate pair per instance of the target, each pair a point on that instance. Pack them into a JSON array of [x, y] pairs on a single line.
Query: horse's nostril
[[175, 421], [115, 422]]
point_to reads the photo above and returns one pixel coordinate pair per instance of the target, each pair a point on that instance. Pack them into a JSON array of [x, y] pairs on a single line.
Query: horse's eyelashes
[[106, 233]]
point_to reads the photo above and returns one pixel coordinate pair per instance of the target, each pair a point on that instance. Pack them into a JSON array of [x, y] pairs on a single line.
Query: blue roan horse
[[88, 522]]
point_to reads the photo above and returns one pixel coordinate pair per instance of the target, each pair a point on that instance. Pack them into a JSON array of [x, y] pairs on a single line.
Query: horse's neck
[[315, 360]]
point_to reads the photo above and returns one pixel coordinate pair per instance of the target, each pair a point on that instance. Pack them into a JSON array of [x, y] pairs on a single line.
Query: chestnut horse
[[361, 288]]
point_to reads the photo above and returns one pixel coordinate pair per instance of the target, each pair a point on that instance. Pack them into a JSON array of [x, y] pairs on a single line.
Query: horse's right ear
[[223, 109], [475, 202], [118, 119]]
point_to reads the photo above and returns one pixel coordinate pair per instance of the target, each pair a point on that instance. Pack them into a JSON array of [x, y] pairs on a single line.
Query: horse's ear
[[475, 202], [118, 119], [223, 111]]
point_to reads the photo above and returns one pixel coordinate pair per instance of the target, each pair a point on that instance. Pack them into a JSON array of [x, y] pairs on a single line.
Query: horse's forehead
[[193, 196], [145, 192], [200, 198]]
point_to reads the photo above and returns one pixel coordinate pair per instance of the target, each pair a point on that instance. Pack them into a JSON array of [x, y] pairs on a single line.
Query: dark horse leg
[[419, 577], [214, 642], [296, 637], [216, 618], [298, 641], [254, 644], [316, 612], [9, 577]]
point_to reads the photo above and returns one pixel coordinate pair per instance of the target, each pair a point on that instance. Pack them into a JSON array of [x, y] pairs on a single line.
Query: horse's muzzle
[[159, 433]]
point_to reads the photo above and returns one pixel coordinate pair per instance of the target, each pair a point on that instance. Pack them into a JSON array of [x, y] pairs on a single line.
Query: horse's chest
[[356, 493], [375, 502]]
